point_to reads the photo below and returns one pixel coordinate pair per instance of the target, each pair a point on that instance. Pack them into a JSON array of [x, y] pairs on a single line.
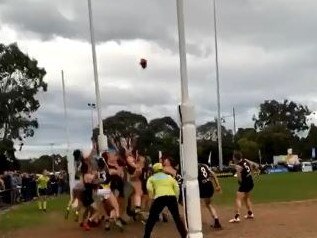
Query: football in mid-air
[[143, 63]]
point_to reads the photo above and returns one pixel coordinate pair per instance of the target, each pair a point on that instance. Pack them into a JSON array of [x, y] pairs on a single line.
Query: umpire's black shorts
[[42, 191]]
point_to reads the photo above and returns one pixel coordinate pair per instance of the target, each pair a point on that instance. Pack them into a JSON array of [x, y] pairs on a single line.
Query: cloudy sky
[[267, 50]]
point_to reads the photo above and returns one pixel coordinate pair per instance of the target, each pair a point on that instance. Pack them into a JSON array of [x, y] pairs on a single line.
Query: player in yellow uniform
[[164, 190], [42, 182]]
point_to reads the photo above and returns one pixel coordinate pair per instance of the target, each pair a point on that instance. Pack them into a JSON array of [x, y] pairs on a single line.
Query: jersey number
[[204, 172], [247, 167]]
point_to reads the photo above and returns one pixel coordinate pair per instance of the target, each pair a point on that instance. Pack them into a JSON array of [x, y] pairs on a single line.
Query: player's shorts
[[79, 188], [117, 185], [182, 193], [42, 191], [104, 193], [206, 190], [128, 189], [87, 198], [246, 187]]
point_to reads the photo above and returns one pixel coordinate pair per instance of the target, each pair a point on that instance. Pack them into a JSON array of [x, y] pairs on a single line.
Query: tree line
[[54, 162], [277, 127]]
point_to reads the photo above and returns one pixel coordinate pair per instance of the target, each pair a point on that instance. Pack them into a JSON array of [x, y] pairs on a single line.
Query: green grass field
[[273, 188], [27, 215], [268, 189]]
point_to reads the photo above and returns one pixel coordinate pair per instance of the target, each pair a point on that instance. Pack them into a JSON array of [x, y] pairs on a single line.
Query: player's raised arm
[[253, 164]]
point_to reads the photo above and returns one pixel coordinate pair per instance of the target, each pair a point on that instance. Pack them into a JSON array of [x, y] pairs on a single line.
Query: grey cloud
[[114, 20], [148, 96], [42, 18], [268, 24]]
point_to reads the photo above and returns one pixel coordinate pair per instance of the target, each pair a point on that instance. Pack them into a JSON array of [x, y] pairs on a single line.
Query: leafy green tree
[[286, 113], [125, 125], [7, 158], [164, 136], [311, 138], [20, 80], [274, 140], [305, 145], [207, 131], [248, 133], [207, 142], [164, 127], [249, 148], [160, 134], [37, 165]]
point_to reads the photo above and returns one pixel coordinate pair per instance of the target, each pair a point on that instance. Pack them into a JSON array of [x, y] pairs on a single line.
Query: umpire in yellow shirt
[[165, 191], [42, 183]]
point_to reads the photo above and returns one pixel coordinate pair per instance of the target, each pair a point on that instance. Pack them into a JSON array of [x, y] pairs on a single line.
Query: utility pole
[[53, 157], [102, 138], [219, 135], [234, 123]]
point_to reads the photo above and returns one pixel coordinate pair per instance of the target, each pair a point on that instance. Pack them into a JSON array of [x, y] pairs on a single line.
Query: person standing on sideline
[[244, 174], [53, 186], [164, 190], [208, 183], [42, 183]]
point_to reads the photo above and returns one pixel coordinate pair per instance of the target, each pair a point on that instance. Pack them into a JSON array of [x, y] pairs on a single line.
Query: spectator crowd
[[16, 187]]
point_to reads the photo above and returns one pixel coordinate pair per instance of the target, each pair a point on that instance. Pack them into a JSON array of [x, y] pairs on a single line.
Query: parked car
[[307, 167], [314, 165]]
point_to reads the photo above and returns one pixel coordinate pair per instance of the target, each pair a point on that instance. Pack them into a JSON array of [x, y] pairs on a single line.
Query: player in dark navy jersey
[[206, 181], [244, 170]]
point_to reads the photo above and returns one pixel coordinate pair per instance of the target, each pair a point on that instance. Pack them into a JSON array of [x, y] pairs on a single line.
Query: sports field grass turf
[[268, 188], [27, 215], [273, 188]]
